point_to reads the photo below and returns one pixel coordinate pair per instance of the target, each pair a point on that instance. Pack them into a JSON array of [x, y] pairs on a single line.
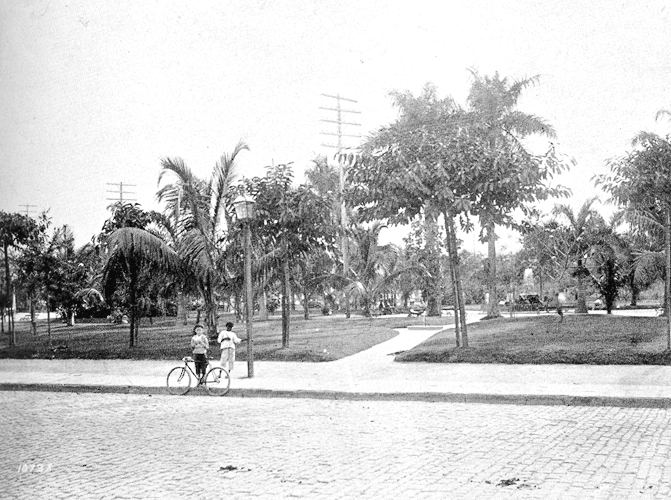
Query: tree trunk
[[210, 310], [8, 291], [453, 280], [49, 322], [12, 315], [366, 307], [286, 296], [581, 304], [33, 322], [263, 298], [460, 293], [133, 301], [211, 317], [263, 306], [71, 317], [182, 309], [434, 292], [493, 305], [454, 261], [306, 302], [611, 287], [635, 290], [238, 305]]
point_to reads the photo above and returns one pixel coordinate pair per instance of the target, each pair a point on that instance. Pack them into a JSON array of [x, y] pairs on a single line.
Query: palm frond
[[141, 246], [223, 177], [200, 256], [90, 294], [642, 221], [186, 196], [650, 266]]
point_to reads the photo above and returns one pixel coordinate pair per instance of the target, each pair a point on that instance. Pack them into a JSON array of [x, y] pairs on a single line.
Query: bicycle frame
[[218, 385], [188, 360]]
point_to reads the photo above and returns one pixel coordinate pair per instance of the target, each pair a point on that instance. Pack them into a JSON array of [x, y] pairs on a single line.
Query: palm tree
[[493, 103], [198, 242], [646, 239], [375, 267], [610, 261], [202, 219], [134, 255], [581, 226]]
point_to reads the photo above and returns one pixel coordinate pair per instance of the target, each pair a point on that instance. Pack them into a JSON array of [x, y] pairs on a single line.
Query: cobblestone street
[[66, 445]]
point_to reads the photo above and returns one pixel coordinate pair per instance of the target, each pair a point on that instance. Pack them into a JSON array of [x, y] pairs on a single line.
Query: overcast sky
[[96, 92]]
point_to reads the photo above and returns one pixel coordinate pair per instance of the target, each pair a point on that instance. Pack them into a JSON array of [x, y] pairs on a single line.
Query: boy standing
[[227, 339], [200, 345]]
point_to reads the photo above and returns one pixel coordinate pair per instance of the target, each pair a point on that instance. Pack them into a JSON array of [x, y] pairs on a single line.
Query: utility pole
[[343, 161], [28, 208], [121, 192]]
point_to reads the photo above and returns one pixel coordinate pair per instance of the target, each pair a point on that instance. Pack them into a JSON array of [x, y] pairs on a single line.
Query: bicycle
[[216, 380]]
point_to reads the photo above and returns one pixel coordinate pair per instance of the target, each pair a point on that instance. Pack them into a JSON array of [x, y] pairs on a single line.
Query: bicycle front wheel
[[217, 381], [178, 381]]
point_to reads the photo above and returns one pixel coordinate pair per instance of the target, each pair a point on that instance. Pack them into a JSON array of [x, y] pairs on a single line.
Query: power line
[[344, 161], [28, 208], [121, 192], [339, 120]]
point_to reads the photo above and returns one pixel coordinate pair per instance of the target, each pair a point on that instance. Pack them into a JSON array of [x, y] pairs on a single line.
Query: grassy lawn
[[322, 338], [591, 339]]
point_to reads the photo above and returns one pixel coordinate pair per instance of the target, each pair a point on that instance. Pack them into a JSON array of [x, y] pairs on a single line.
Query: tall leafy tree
[[421, 163], [642, 179], [73, 282], [31, 265], [438, 158], [15, 231], [51, 268], [515, 179], [292, 223]]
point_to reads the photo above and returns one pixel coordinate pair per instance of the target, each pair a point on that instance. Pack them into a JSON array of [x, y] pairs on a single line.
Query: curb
[[434, 397]]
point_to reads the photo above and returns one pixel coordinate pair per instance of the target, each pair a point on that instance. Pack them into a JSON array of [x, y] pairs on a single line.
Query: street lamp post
[[244, 210]]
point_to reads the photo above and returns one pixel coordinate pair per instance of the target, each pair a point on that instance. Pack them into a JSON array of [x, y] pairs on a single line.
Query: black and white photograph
[[265, 249]]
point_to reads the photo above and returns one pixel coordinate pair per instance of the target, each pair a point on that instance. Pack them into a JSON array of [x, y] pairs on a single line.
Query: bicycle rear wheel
[[217, 381], [179, 381]]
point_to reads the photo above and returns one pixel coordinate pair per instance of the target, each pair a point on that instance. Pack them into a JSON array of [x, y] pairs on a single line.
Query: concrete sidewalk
[[371, 374]]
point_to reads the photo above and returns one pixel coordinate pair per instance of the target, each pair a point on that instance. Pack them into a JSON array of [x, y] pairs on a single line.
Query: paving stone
[[133, 446]]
